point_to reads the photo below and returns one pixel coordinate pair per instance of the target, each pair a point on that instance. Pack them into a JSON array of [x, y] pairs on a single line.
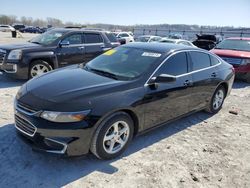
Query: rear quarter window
[[214, 60], [199, 60]]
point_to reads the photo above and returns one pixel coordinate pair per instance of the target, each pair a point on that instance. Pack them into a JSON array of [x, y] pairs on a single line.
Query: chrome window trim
[[31, 135], [177, 76]]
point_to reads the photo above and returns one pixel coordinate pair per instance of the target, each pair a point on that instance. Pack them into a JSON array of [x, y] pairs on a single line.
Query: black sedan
[[101, 106]]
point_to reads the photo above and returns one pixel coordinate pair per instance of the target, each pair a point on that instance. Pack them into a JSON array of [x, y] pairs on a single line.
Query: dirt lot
[[197, 151]]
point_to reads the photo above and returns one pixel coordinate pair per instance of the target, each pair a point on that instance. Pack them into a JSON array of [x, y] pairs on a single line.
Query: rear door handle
[[214, 74], [188, 83], [81, 48]]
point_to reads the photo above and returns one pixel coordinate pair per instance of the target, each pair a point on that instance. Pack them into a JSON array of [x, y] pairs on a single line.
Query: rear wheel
[[217, 100], [39, 67], [112, 136]]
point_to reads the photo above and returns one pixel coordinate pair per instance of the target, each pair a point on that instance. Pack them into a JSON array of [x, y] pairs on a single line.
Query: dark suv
[[53, 49]]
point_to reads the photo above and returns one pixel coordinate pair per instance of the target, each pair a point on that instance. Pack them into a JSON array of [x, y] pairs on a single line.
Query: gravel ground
[[197, 151]]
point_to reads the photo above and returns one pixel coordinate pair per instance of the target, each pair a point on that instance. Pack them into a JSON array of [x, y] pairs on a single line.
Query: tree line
[[29, 21]]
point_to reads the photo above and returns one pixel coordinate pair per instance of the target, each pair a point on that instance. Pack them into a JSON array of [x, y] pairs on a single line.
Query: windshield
[[123, 63], [47, 37], [142, 39], [233, 44]]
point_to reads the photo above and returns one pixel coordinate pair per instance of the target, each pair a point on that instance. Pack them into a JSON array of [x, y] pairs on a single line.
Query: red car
[[236, 51]]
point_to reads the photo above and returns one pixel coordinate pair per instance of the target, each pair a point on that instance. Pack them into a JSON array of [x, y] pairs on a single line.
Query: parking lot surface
[[201, 150]]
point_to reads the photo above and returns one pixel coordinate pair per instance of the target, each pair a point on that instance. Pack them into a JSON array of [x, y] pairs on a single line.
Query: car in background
[[18, 26], [53, 49], [177, 41], [236, 51], [31, 29], [125, 91], [125, 35], [206, 41], [148, 38], [6, 28]]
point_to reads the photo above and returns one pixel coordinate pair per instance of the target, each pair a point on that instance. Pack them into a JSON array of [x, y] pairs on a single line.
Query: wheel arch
[[128, 111]]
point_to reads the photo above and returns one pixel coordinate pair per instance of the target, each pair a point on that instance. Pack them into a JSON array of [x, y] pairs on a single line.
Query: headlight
[[15, 55], [245, 61], [64, 117]]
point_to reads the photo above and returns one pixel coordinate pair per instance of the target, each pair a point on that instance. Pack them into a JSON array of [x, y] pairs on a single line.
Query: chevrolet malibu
[[122, 93]]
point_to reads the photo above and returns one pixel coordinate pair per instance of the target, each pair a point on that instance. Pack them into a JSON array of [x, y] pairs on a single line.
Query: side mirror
[[64, 43], [163, 78]]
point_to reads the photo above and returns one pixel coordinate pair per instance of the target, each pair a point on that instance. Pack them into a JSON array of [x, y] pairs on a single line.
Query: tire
[[105, 136], [39, 67], [219, 95]]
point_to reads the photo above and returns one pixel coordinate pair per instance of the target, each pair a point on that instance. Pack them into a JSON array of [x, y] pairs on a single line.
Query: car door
[[169, 100], [94, 45], [70, 50], [205, 78]]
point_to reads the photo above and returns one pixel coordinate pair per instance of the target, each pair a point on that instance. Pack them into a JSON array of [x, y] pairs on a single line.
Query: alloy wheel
[[116, 137], [218, 99], [38, 70]]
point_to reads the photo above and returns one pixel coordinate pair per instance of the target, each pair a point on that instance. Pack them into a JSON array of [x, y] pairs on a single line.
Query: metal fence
[[191, 34]]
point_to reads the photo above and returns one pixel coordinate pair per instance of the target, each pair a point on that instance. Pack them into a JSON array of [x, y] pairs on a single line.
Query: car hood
[[72, 85], [19, 46], [231, 53]]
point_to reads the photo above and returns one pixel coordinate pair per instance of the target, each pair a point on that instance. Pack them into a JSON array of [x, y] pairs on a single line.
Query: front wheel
[[38, 68], [217, 100], [112, 136]]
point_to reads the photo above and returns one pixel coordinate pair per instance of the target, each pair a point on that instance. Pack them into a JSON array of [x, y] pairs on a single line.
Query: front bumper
[[71, 139], [15, 69]]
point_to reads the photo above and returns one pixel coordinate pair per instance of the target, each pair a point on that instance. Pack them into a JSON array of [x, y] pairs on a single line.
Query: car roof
[[238, 38], [158, 47]]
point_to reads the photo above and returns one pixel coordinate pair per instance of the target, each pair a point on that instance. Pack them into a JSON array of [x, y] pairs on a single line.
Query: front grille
[[25, 108], [2, 57], [233, 61], [24, 126]]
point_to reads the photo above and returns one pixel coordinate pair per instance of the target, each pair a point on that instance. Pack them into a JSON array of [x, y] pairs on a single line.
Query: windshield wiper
[[102, 72]]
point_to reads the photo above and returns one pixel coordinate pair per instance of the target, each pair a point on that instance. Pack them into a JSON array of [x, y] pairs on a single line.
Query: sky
[[130, 12]]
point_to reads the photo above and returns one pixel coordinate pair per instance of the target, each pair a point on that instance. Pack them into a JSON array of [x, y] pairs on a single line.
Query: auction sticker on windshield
[[150, 54]]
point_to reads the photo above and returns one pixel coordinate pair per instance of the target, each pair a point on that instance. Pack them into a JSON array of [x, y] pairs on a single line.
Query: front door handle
[[81, 48], [187, 83], [214, 74]]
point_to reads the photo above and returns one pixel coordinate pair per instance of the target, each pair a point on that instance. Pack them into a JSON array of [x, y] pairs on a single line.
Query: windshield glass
[[142, 39], [233, 44], [47, 37], [123, 63]]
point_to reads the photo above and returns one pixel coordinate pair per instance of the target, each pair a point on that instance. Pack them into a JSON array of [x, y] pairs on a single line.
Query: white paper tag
[[151, 54]]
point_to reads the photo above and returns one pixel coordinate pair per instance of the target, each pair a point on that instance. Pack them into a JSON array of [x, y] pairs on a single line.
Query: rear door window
[[200, 60], [175, 65], [92, 38]]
